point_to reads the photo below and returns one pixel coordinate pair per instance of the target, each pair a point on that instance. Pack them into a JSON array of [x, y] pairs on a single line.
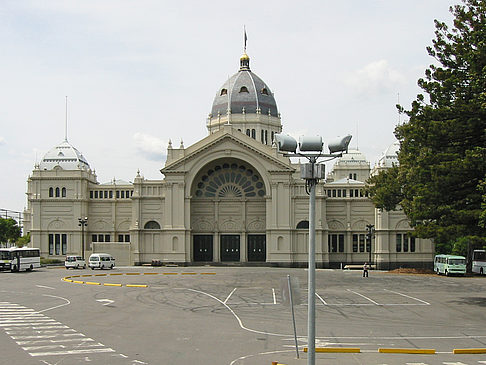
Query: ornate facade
[[229, 198]]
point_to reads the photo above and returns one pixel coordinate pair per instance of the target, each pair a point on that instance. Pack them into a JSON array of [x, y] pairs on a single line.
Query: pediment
[[229, 141]]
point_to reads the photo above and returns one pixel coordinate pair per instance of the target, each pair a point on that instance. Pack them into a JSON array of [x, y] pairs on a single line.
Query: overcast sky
[[138, 73]]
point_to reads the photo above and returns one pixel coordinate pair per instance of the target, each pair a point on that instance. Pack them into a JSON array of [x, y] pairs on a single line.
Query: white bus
[[479, 262], [450, 265], [19, 258]]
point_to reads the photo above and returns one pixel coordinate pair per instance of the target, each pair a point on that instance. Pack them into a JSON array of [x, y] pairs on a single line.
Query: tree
[[24, 240], [9, 230], [443, 145]]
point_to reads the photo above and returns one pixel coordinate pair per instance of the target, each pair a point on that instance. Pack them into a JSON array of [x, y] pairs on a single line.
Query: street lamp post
[[83, 222], [312, 172], [370, 230]]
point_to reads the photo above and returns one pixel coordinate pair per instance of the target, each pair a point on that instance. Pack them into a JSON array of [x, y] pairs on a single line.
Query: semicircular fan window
[[230, 181]]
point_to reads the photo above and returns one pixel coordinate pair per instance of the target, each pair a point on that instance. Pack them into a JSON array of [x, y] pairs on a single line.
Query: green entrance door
[[203, 247], [257, 247], [230, 247]]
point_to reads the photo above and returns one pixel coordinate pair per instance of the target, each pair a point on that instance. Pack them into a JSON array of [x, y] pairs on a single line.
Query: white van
[[101, 261], [74, 262]]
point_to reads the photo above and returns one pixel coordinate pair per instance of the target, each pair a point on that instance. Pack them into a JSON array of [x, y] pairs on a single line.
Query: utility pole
[[83, 222], [370, 231]]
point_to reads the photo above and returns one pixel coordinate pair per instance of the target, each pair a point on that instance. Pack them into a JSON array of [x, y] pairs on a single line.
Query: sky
[[140, 73]]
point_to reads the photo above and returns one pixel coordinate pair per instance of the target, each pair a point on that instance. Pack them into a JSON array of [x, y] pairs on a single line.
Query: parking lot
[[235, 315]]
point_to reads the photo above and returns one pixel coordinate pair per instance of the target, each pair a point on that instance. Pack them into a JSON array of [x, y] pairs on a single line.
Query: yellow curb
[[92, 283], [85, 276], [101, 274], [132, 273], [208, 273], [469, 351], [108, 284], [336, 349], [118, 273], [407, 351], [169, 273], [74, 276], [78, 282], [136, 286], [188, 273], [150, 273], [68, 280]]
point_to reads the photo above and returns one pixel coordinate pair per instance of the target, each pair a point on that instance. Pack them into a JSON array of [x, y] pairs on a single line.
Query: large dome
[[244, 93], [65, 156]]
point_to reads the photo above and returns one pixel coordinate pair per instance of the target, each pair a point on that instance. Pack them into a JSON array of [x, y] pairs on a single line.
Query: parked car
[[74, 262], [101, 261]]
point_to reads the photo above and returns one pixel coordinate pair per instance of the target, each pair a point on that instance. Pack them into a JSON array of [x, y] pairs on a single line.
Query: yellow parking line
[[101, 274], [151, 273], [132, 273], [188, 273], [118, 273], [407, 351], [169, 273], [78, 282], [85, 276], [108, 284], [136, 286], [208, 273], [92, 283], [469, 351], [336, 349]]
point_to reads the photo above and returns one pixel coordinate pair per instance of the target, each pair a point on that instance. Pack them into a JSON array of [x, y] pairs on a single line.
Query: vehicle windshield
[[4, 255], [94, 258], [457, 262], [70, 259]]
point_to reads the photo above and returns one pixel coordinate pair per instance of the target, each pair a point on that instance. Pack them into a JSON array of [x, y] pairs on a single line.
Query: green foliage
[[443, 145], [9, 230], [24, 240], [48, 261]]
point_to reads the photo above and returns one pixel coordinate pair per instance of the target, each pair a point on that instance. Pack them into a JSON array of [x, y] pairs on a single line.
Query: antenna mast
[[66, 122]]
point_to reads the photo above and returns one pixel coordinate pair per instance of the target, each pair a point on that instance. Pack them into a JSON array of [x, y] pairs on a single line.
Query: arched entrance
[[228, 211]]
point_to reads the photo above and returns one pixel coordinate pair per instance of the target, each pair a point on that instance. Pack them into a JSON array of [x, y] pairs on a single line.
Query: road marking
[[274, 296], [320, 298], [105, 301], [45, 287], [363, 296], [41, 336], [230, 294], [408, 296]]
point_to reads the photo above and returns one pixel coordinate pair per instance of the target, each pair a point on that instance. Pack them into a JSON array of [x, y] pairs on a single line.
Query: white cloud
[[2, 141], [377, 77], [152, 148]]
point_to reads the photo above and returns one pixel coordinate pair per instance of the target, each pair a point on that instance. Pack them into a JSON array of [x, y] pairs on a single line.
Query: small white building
[[228, 198]]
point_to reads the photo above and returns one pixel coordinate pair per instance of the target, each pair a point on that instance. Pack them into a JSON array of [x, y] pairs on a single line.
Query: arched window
[[151, 225], [63, 192], [253, 133], [57, 193], [264, 91], [303, 225], [248, 132], [243, 89], [223, 92], [51, 192]]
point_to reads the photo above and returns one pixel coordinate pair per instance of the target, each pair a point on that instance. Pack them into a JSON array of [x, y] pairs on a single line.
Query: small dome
[[244, 93], [65, 156], [390, 156]]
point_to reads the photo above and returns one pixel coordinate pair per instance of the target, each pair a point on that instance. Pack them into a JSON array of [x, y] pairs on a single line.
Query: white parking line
[[322, 300], [408, 296], [274, 296], [363, 296], [230, 294]]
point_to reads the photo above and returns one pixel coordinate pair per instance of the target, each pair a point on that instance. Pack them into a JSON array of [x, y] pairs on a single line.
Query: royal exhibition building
[[229, 199]]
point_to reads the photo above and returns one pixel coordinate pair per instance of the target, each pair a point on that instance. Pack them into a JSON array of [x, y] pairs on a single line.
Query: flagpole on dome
[[245, 38]]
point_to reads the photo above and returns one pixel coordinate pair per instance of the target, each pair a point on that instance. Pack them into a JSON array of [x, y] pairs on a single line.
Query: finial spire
[[245, 38]]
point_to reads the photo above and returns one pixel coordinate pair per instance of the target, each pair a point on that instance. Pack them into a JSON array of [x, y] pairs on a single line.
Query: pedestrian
[[365, 269]]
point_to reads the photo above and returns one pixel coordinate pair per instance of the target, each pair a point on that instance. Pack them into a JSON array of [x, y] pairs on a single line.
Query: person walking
[[365, 269]]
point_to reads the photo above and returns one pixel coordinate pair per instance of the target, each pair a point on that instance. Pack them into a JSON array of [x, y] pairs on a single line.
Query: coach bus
[[450, 265], [19, 258], [479, 262]]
